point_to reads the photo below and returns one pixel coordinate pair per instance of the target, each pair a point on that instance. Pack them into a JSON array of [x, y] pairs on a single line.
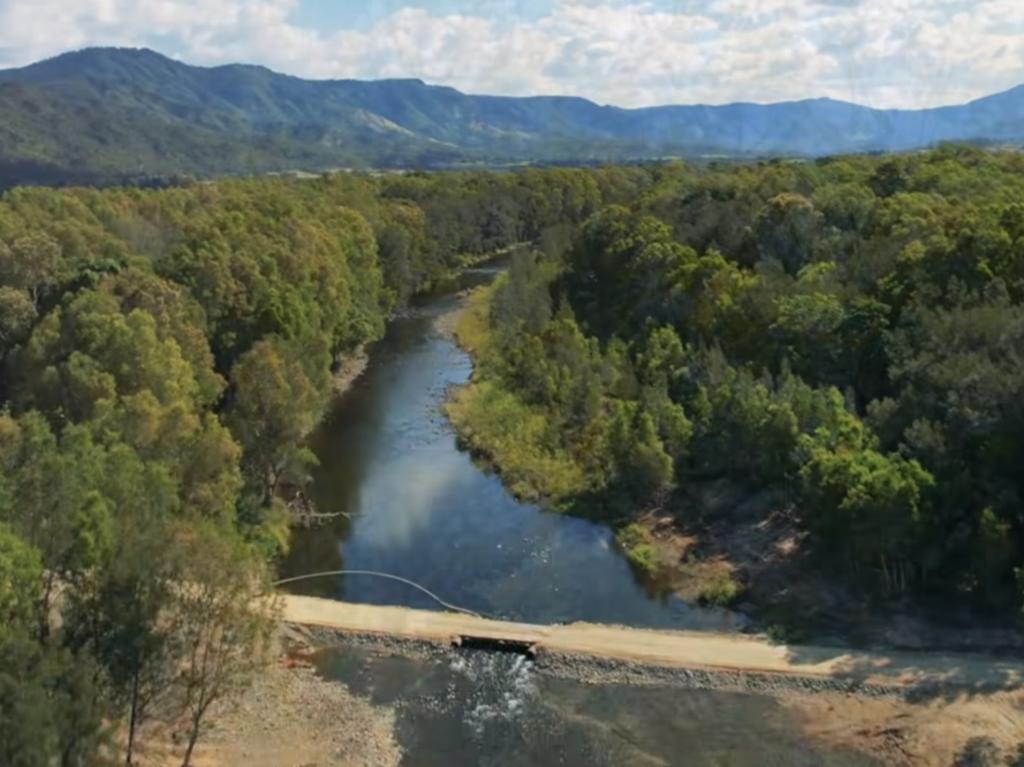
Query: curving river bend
[[416, 506]]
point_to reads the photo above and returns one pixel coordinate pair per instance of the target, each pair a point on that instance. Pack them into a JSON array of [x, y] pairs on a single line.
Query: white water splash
[[503, 686]]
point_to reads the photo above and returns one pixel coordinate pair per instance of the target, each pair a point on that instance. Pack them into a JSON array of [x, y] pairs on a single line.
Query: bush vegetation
[[850, 330], [164, 354], [847, 330]]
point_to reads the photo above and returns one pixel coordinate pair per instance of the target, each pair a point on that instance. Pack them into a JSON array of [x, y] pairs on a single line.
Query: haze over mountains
[[105, 115]]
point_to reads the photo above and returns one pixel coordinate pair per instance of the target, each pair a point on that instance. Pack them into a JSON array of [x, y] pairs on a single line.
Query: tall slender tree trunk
[[44, 612], [133, 719], [193, 736]]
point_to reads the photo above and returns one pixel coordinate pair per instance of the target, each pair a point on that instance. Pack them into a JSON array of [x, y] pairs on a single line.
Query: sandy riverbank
[[293, 718], [350, 370], [289, 717]]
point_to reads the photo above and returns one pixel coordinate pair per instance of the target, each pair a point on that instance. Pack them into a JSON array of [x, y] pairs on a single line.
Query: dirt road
[[696, 650]]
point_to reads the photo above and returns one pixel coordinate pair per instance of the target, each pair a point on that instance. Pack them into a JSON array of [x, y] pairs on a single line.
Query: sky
[[887, 53]]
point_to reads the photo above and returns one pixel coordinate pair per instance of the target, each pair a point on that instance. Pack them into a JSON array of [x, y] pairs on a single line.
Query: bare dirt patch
[[349, 371], [716, 528], [290, 717], [980, 731]]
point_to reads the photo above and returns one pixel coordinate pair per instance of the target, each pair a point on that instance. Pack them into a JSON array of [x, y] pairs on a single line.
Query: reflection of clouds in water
[[397, 504], [422, 509]]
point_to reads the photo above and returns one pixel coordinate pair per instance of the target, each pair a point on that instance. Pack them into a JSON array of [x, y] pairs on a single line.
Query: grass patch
[[518, 440], [720, 590], [473, 326], [639, 548]]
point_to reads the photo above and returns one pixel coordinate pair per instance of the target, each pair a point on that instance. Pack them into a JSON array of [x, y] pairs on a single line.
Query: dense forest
[[164, 355], [850, 329]]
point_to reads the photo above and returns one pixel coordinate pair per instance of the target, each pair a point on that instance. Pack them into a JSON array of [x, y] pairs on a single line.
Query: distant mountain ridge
[[114, 114]]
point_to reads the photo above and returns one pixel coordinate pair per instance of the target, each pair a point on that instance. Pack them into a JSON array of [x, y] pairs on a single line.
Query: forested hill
[[105, 115]]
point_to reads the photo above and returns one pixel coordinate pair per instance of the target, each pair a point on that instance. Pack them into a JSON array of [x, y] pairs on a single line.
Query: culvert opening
[[512, 646]]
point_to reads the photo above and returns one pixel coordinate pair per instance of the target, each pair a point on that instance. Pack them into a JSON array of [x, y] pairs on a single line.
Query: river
[[485, 709], [414, 505]]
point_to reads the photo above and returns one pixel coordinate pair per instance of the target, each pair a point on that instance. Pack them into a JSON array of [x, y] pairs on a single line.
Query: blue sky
[[902, 53], [335, 15]]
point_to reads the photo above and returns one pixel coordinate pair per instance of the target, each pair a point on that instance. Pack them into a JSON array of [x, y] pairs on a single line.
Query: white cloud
[[629, 52]]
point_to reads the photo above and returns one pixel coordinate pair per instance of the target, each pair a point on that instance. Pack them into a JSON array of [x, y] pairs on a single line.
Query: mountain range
[[106, 115]]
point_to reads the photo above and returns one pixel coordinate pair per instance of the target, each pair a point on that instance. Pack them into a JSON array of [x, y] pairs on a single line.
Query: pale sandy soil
[[289, 718], [350, 370], [293, 718], [965, 729]]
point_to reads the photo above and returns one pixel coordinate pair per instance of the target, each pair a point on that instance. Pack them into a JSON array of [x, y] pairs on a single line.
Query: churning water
[[497, 710]]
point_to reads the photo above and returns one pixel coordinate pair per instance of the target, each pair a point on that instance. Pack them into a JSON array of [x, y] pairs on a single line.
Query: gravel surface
[[293, 718]]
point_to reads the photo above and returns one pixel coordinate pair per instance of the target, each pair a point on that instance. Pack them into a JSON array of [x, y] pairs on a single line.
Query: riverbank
[[497, 427], [903, 709], [349, 371], [292, 717], [289, 716]]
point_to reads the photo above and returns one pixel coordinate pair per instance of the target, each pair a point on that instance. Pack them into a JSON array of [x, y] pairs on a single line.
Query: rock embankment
[[715, 655]]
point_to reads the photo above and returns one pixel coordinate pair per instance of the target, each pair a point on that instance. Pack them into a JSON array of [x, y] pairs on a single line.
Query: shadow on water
[[419, 507], [477, 708]]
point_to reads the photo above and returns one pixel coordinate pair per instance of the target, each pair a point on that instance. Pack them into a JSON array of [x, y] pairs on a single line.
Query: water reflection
[[418, 507]]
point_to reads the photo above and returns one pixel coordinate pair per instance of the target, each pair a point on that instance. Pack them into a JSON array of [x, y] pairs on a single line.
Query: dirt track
[[695, 650]]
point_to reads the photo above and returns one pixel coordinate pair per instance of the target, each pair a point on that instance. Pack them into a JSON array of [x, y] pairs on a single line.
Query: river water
[[482, 709], [416, 506]]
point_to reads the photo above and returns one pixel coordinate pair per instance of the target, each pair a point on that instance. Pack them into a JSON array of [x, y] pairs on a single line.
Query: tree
[[223, 623], [32, 263], [871, 504], [21, 581], [785, 231], [28, 735], [274, 406], [643, 464], [51, 710], [17, 314], [123, 620]]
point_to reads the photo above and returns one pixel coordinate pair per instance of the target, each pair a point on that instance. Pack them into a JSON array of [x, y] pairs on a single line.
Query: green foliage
[[275, 404], [719, 590], [21, 575], [785, 231], [519, 440], [869, 503], [639, 550], [848, 331], [165, 354]]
